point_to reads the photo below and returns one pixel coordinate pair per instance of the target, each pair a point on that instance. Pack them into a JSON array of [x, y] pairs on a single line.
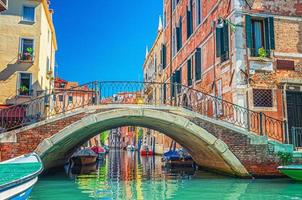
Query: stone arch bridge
[[219, 135]]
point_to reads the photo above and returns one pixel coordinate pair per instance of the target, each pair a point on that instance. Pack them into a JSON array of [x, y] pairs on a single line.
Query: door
[[294, 113]]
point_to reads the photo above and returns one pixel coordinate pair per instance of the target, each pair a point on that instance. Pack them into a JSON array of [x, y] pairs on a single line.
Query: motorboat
[[292, 171]]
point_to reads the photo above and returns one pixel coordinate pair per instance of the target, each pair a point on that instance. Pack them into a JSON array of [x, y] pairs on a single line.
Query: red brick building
[[248, 52]]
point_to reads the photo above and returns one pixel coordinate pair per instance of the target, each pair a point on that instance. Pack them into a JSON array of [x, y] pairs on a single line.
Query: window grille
[[263, 97]]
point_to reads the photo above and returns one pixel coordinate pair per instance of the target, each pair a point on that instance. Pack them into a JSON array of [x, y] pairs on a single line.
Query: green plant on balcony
[[28, 54], [262, 53], [23, 90]]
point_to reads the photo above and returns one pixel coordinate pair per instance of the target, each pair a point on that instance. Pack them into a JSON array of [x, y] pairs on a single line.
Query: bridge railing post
[[261, 123], [63, 102], [97, 92]]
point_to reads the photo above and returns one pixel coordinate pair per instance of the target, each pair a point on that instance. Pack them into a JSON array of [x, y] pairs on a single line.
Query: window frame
[[260, 109], [254, 53], [18, 85], [20, 54], [34, 17]]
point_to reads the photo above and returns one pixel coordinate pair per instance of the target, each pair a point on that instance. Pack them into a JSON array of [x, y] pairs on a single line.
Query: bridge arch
[[206, 149]]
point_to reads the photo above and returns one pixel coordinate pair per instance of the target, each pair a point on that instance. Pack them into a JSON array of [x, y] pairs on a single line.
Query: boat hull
[[24, 171], [83, 160], [294, 172]]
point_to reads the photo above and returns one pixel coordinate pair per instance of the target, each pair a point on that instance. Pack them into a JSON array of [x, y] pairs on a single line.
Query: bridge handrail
[[107, 92]]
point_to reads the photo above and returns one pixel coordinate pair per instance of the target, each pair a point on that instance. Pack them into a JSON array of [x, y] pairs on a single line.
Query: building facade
[[245, 52], [27, 50]]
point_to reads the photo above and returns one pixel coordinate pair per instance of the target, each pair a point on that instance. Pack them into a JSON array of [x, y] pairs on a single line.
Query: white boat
[[18, 176]]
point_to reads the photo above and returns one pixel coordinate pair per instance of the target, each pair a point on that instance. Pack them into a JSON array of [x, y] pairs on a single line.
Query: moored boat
[[84, 157], [292, 171], [18, 176]]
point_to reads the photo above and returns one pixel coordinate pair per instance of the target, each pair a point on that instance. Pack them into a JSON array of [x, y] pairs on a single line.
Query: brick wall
[[256, 158], [28, 140]]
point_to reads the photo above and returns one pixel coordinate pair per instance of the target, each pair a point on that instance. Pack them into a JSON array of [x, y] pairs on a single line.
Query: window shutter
[[218, 42], [248, 31], [189, 24], [225, 39], [272, 32], [164, 93], [267, 34], [189, 72], [163, 56], [172, 81], [198, 64]]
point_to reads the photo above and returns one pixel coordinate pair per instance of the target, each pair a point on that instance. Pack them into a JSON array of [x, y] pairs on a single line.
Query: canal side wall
[[257, 154]]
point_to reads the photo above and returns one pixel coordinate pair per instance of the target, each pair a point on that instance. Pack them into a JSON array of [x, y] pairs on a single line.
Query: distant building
[[155, 62], [27, 49]]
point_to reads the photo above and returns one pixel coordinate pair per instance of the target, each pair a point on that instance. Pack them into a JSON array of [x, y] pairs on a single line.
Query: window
[[263, 98], [26, 49], [24, 85], [189, 72], [222, 42], [155, 63], [179, 34], [70, 99], [174, 43], [260, 35], [189, 20], [163, 56], [28, 14], [176, 82], [61, 98], [198, 64], [198, 12]]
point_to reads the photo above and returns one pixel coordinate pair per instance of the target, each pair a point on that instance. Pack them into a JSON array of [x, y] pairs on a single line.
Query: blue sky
[[104, 39]]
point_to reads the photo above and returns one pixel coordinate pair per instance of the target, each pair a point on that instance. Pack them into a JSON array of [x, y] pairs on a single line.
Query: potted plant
[[28, 54], [23, 90], [262, 53]]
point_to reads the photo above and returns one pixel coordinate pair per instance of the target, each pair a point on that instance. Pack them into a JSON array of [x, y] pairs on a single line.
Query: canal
[[125, 175]]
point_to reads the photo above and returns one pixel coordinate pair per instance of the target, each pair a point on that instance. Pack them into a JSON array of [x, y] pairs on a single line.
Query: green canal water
[[125, 175]]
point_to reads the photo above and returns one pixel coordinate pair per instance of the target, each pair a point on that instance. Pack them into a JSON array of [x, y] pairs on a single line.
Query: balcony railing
[[3, 5]]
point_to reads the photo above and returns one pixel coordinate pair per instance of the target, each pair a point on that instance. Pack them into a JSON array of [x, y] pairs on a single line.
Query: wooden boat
[[18, 176], [84, 157], [292, 171]]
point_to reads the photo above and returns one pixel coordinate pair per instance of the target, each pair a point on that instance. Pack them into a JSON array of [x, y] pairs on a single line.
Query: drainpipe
[[171, 2], [286, 131]]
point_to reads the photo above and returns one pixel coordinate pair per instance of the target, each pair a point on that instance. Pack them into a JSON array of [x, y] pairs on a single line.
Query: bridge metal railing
[[126, 92]]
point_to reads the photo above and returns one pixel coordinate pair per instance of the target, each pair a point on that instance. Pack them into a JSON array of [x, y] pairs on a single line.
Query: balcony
[[3, 5], [26, 57]]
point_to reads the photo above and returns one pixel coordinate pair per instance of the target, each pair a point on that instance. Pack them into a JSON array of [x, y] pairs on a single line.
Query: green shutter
[[272, 32], [225, 40], [189, 72], [198, 64], [218, 42], [248, 31], [189, 24], [163, 56], [267, 34]]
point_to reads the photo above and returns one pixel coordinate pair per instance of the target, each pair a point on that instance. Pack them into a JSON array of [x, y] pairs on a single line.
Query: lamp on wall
[[220, 23]]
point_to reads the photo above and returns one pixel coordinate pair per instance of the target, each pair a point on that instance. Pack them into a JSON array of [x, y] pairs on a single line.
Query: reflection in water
[[125, 175]]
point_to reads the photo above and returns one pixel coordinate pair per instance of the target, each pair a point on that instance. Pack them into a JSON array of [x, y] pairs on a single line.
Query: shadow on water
[[125, 175]]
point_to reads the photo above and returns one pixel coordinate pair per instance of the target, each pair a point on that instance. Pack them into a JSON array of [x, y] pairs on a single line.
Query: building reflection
[[126, 175]]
